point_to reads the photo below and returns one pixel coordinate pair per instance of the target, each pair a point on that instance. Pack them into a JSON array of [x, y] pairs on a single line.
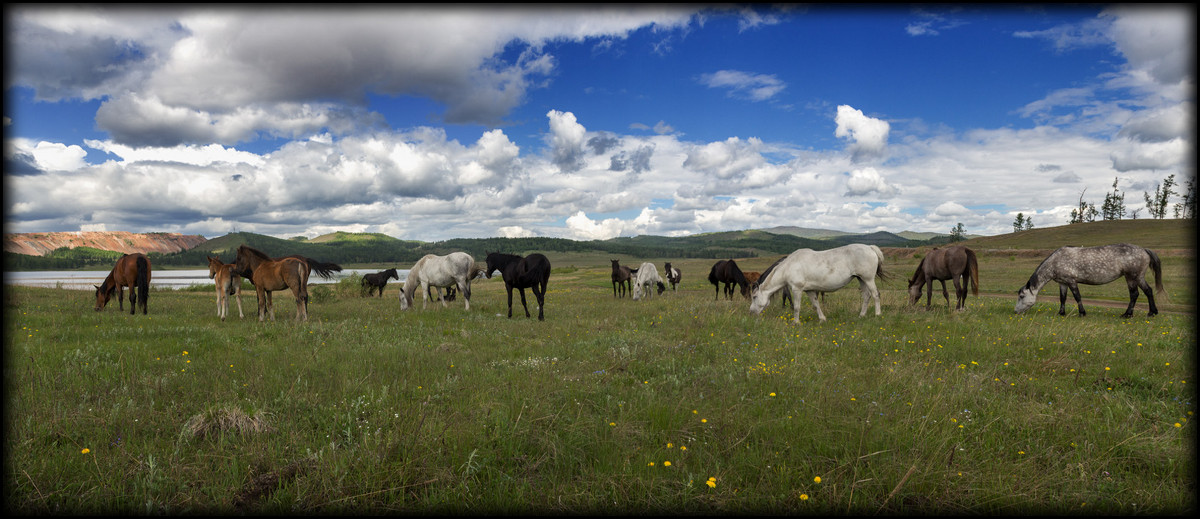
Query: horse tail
[[143, 281], [712, 274], [879, 273], [973, 270], [1156, 264], [475, 270], [322, 269]]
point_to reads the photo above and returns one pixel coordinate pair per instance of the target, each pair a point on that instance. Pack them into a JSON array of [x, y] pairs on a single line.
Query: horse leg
[[929, 295], [874, 293], [238, 295], [301, 303], [541, 298], [509, 288], [523, 305], [464, 288], [945, 294], [262, 302], [1062, 299], [1133, 296], [1150, 296], [1078, 300], [221, 302], [960, 294], [812, 296]]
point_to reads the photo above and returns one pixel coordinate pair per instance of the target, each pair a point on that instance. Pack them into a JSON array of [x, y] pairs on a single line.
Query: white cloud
[[746, 85], [866, 181], [867, 135], [52, 156]]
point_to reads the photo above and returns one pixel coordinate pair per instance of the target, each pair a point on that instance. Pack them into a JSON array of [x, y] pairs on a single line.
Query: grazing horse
[[228, 284], [956, 263], [621, 277], [133, 271], [673, 275], [454, 269], [269, 275], [1069, 266], [647, 274], [378, 280], [532, 272], [727, 272], [809, 272], [786, 299]]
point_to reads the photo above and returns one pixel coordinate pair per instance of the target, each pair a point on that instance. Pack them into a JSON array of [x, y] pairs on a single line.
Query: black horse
[[727, 272], [532, 271], [370, 282]]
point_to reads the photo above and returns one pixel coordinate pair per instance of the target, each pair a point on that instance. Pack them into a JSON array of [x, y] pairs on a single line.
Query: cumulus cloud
[[867, 135], [866, 181], [183, 75], [44, 156], [566, 140]]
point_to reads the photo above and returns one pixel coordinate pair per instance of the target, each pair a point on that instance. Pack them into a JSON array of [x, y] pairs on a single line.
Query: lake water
[[85, 280]]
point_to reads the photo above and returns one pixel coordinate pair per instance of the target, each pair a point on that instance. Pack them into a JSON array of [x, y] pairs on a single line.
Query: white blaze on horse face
[[1026, 297]]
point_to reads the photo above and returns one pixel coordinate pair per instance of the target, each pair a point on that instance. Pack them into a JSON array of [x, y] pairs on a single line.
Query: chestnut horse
[[133, 271], [268, 275], [228, 284], [956, 263]]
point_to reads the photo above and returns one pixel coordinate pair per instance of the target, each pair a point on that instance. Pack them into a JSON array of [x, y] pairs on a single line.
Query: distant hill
[[1151, 234], [43, 243], [375, 248]]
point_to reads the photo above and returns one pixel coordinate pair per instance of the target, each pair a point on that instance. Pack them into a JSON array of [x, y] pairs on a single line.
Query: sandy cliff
[[41, 243]]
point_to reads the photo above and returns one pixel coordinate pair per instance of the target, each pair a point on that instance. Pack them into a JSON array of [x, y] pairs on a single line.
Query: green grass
[[369, 409]]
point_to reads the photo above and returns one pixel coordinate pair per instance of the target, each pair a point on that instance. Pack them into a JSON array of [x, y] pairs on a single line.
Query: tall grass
[[680, 404]]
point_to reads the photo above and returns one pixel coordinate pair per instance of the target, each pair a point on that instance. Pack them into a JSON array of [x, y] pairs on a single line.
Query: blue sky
[[588, 123]]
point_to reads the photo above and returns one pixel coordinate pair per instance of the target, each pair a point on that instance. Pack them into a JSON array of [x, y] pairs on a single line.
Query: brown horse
[[133, 271], [956, 263], [269, 275], [621, 277], [228, 284], [727, 272]]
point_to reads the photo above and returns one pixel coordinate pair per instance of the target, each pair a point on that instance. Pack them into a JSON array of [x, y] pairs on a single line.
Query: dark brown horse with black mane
[[956, 263], [378, 280], [269, 275], [621, 277], [532, 272], [133, 271], [727, 272]]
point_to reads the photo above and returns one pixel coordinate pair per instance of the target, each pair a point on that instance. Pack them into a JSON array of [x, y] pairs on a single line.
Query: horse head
[[102, 297], [1026, 297]]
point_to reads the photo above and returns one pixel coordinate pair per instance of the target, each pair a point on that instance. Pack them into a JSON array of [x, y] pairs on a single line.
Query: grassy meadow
[[680, 404]]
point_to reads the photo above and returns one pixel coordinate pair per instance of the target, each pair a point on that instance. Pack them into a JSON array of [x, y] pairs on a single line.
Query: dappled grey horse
[[1070, 266]]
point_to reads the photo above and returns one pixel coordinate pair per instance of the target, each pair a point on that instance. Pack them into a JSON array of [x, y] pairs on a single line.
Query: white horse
[[647, 274], [812, 272], [455, 269]]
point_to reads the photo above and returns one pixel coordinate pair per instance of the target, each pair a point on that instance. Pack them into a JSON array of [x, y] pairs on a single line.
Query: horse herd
[[804, 271]]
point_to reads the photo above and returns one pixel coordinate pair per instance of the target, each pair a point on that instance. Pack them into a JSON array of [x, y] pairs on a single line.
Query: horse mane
[[254, 252], [920, 273], [762, 278]]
